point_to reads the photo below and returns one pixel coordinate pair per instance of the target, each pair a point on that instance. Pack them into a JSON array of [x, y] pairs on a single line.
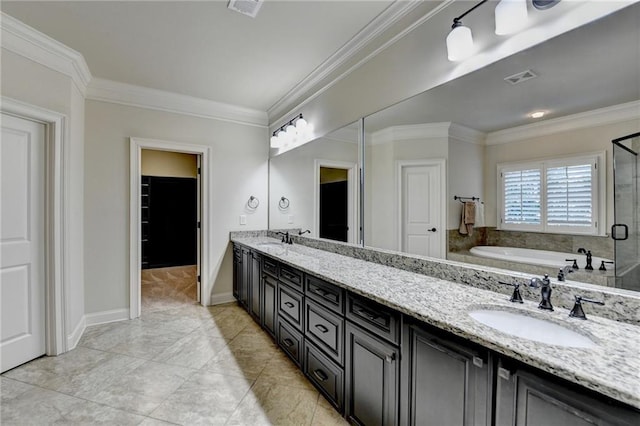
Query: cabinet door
[[254, 287], [527, 399], [372, 379], [269, 291], [443, 383], [246, 276], [237, 271]]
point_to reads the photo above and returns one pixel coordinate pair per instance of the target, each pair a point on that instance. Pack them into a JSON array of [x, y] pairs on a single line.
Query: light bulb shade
[[291, 130], [283, 138], [301, 124], [459, 43], [511, 16], [275, 142]]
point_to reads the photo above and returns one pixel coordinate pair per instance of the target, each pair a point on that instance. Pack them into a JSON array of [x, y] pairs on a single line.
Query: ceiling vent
[[246, 7], [520, 77]]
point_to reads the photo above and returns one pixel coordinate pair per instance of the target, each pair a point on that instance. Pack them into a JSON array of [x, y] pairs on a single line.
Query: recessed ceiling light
[[537, 114]]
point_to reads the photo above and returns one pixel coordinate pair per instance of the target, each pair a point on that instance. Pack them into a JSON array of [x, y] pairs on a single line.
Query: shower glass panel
[[625, 231]]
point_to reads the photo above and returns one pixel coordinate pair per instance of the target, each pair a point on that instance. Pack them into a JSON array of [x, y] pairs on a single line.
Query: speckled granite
[[621, 305], [610, 369]]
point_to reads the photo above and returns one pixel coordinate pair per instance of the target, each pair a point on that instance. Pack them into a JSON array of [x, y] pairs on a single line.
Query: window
[[556, 195]]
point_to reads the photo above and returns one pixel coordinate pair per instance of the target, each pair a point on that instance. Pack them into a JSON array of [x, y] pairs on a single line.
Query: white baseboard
[[219, 299], [107, 316], [74, 337]]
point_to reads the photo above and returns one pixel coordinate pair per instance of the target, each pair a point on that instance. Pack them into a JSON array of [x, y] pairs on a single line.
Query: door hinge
[[198, 225], [199, 170], [198, 278]]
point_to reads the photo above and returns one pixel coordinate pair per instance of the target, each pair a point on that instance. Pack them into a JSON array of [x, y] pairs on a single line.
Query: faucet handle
[[577, 311], [575, 263], [516, 297], [564, 271], [602, 267]]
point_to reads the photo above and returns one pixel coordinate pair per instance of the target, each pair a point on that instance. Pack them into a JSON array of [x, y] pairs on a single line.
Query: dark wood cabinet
[[372, 382], [444, 382], [255, 287], [269, 306], [245, 277], [378, 367], [525, 398]]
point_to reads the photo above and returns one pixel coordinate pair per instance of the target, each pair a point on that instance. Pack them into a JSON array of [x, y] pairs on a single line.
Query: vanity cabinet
[[444, 382], [527, 398], [379, 367]]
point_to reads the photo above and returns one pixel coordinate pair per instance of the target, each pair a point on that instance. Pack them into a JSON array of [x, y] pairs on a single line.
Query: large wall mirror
[[427, 156]]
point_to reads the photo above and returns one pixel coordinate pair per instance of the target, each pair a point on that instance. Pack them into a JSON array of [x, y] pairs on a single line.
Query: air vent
[[520, 77], [246, 7]]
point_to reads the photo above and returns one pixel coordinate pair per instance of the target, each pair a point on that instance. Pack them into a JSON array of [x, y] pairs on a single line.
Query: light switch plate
[[290, 219], [243, 219]]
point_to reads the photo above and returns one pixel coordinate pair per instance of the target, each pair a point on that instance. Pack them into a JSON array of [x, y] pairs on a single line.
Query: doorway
[[169, 228], [335, 200], [421, 207], [137, 145]]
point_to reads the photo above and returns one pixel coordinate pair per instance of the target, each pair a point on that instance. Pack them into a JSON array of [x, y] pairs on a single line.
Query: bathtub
[[536, 257]]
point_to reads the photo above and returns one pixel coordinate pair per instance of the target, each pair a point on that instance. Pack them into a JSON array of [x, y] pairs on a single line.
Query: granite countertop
[[611, 368]]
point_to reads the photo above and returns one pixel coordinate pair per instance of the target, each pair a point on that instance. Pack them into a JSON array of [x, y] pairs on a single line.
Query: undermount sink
[[271, 244], [531, 328]]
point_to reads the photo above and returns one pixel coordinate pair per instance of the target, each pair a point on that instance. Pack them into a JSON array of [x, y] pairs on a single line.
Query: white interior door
[[22, 264], [421, 209]]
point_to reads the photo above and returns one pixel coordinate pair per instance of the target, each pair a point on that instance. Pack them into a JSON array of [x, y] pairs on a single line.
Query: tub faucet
[[589, 258], [545, 292]]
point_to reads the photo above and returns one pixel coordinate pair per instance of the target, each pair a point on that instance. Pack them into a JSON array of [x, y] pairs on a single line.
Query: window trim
[[598, 194]]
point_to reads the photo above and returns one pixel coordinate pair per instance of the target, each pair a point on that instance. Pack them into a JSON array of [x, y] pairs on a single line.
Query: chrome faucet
[[545, 292]]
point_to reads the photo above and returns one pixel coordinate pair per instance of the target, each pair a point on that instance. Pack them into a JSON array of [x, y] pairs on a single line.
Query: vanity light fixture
[[510, 16], [290, 132]]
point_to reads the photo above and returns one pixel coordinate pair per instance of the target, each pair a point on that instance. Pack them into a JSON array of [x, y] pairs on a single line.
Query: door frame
[[135, 228], [57, 216], [442, 164], [352, 195]]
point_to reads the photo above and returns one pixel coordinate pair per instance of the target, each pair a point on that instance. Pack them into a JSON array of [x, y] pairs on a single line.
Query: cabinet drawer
[[328, 295], [270, 266], [376, 318], [325, 329], [291, 276], [325, 375], [290, 341], [290, 305]]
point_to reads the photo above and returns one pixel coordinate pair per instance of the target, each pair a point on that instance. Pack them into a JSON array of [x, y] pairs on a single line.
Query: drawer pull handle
[[320, 292], [288, 304], [288, 342], [289, 276], [367, 314], [320, 375], [321, 328]]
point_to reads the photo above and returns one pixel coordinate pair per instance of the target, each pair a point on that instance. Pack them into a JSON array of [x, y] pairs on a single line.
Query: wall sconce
[[510, 16], [291, 132]]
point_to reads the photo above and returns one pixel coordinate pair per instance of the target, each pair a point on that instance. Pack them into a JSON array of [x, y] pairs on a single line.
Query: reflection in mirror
[[320, 181], [451, 141]]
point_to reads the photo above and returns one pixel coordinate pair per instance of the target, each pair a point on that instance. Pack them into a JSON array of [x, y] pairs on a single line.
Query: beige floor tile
[[207, 399], [247, 364], [326, 415], [273, 404], [193, 351], [281, 370]]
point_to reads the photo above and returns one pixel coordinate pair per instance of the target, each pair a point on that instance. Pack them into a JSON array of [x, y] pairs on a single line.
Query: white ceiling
[[201, 48], [591, 67]]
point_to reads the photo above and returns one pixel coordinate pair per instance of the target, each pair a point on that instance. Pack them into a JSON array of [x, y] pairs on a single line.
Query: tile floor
[[180, 363]]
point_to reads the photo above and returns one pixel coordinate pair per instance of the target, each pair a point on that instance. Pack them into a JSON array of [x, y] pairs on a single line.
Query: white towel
[[479, 215]]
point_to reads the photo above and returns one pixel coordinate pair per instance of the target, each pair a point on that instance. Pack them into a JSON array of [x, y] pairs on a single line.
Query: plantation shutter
[[570, 195], [522, 196]]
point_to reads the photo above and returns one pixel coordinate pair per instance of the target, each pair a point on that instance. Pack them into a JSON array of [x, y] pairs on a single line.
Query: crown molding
[[23, 40], [410, 132], [143, 97], [388, 17], [466, 134], [598, 117]]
